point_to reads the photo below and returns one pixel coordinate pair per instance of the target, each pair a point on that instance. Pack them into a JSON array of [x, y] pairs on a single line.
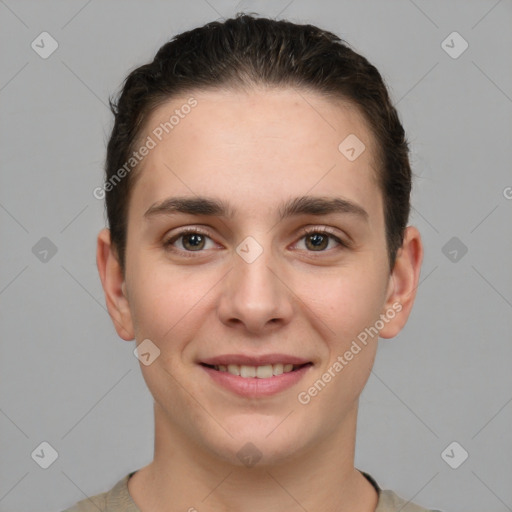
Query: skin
[[254, 150]]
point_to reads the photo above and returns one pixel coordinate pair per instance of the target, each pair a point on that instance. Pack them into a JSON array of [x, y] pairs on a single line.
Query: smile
[[255, 380], [259, 372]]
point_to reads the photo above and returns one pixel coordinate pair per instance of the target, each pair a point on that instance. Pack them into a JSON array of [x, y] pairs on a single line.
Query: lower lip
[[252, 387]]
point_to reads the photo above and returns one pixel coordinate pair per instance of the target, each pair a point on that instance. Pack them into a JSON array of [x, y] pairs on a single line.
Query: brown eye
[[317, 240], [193, 241], [187, 241]]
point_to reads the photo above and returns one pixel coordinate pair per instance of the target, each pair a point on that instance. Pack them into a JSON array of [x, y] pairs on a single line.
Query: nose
[[254, 297]]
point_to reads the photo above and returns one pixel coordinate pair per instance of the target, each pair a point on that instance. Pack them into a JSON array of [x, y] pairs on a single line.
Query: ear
[[403, 283], [114, 286]]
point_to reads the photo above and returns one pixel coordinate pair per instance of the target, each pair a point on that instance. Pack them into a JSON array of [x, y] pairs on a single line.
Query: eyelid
[[306, 230]]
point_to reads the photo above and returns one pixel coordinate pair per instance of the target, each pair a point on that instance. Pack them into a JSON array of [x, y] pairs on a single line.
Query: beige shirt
[[118, 499]]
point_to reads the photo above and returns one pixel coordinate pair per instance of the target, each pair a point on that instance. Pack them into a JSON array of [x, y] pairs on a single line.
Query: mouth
[[255, 377], [265, 371]]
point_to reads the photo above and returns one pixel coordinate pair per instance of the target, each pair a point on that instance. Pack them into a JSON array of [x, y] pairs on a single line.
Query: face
[[254, 245]]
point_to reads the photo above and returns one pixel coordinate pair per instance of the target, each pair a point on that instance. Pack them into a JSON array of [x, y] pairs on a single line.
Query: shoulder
[[390, 501], [91, 504], [115, 500]]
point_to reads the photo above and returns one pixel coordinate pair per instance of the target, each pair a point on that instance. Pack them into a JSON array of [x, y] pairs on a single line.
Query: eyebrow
[[304, 205]]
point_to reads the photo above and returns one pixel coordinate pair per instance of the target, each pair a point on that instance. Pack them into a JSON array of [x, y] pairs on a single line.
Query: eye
[[317, 239], [192, 240], [195, 240]]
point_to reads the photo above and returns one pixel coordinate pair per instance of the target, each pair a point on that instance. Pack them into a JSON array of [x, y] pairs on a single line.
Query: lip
[[260, 360], [253, 387]]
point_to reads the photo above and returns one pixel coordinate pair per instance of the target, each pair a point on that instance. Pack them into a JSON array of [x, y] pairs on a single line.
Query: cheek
[[347, 302], [169, 306], [165, 304]]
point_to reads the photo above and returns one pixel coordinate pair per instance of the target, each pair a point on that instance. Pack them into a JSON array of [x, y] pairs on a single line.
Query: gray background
[[66, 378]]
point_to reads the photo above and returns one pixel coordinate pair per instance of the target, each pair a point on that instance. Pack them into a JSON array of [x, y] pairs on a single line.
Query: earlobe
[[114, 286], [403, 283]]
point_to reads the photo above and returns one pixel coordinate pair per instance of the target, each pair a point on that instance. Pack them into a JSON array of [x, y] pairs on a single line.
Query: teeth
[[261, 372], [264, 372], [234, 369], [277, 369], [247, 371]]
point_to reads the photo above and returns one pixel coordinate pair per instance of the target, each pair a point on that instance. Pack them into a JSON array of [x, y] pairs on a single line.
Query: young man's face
[[252, 289]]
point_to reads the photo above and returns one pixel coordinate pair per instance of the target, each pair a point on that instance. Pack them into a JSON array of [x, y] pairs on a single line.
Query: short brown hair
[[249, 50]]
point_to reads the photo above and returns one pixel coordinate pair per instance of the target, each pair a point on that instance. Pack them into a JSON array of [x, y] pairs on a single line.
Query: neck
[[185, 477]]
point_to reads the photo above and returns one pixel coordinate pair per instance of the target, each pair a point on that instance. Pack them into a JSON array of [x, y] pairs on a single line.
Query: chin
[[258, 442]]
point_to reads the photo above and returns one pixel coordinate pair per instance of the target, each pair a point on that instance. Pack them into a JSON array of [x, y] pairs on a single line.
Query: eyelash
[[303, 233]]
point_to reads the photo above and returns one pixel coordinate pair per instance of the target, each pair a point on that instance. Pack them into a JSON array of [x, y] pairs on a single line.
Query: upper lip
[[261, 360]]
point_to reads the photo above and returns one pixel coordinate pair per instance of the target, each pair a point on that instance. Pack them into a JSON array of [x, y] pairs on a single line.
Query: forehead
[[255, 144]]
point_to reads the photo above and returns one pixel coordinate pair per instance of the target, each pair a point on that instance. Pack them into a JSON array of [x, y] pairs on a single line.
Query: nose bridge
[[253, 270], [255, 281], [253, 294]]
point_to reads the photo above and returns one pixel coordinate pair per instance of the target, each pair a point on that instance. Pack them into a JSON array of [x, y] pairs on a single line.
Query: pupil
[[317, 240], [194, 240]]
